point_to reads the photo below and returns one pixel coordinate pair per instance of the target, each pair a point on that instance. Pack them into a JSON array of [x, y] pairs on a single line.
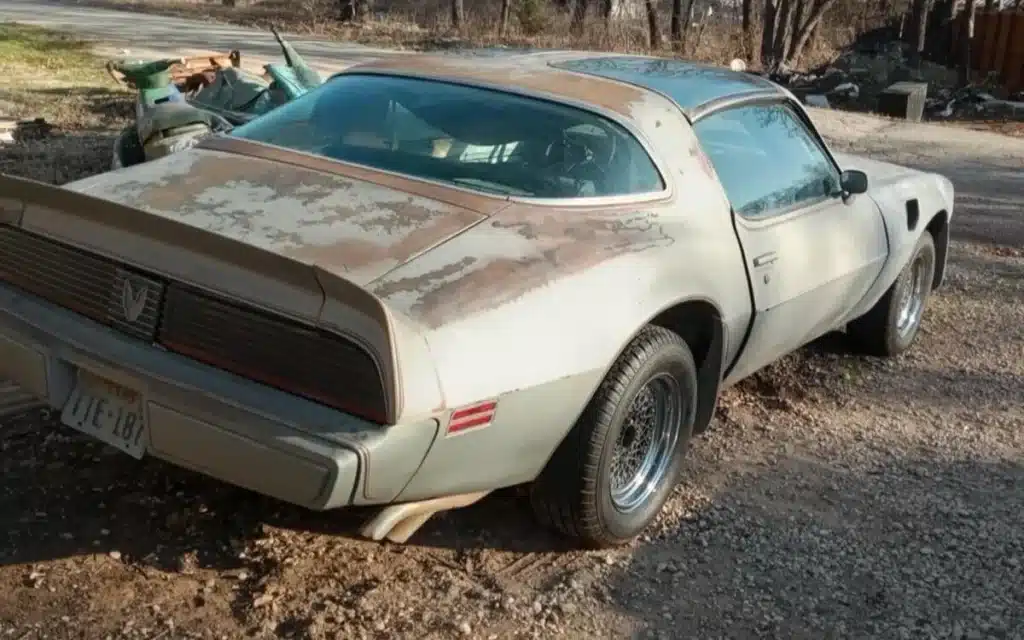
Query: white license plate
[[108, 412]]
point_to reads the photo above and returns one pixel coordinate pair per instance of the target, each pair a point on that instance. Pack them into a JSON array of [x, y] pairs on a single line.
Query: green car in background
[[173, 112]]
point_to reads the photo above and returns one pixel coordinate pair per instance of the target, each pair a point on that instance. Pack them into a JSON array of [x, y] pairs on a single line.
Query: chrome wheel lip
[[644, 450], [912, 298]]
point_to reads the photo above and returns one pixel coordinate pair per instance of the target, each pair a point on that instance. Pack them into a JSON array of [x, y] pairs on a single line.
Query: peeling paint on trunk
[[352, 227]]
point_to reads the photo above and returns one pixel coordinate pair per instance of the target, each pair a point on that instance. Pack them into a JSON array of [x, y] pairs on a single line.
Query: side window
[[766, 158]]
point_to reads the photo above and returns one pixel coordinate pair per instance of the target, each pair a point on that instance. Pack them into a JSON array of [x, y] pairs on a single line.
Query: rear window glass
[[471, 137]]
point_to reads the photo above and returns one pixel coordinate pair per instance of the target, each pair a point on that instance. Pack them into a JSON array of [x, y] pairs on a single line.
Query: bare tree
[[364, 9], [748, 29], [966, 36], [919, 12], [783, 33], [458, 14], [654, 32], [676, 22], [506, 12], [768, 25], [579, 16], [359, 10], [809, 26]]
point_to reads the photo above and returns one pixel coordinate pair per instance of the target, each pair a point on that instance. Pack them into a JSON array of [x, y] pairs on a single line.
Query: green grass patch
[[55, 76], [33, 55]]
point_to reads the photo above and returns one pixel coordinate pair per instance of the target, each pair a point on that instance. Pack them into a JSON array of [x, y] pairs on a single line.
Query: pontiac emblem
[[133, 302]]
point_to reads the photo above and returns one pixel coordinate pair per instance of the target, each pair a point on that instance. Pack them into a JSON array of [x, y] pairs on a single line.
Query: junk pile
[[862, 77], [181, 100]]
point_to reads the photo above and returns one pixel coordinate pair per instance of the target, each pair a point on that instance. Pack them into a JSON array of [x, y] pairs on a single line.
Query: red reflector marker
[[472, 417]]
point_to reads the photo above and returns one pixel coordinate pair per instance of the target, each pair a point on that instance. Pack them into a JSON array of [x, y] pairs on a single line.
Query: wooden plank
[[978, 41], [989, 46], [1002, 44], [1014, 69]]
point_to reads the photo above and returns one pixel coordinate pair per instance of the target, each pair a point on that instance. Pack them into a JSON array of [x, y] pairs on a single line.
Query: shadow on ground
[[802, 549]]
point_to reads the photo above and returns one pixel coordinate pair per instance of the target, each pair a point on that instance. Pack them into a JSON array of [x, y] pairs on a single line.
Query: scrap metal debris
[[863, 73]]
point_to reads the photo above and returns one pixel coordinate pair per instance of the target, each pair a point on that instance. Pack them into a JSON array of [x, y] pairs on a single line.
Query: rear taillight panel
[[274, 351]]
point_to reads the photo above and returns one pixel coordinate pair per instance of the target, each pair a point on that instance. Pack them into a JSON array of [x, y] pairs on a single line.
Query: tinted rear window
[[471, 137]]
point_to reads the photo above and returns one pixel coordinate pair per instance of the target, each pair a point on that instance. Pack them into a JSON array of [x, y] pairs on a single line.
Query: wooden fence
[[998, 46]]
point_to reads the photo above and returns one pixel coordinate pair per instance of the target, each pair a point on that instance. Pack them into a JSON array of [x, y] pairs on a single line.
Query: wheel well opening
[[695, 323], [938, 226], [699, 324]]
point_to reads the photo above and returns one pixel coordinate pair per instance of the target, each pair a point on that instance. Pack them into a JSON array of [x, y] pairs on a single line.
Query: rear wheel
[[611, 476], [890, 327]]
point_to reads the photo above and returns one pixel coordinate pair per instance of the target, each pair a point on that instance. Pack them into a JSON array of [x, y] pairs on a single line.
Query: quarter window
[[766, 159]]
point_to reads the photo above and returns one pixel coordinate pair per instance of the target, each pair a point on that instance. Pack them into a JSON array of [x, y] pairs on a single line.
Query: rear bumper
[[210, 421]]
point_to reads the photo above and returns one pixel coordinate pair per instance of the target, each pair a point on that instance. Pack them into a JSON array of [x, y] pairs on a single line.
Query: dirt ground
[[834, 497]]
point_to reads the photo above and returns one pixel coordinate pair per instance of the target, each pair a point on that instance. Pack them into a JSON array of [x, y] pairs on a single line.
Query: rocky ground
[[836, 496]]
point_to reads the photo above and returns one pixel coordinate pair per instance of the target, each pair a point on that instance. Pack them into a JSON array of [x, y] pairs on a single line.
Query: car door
[[811, 253]]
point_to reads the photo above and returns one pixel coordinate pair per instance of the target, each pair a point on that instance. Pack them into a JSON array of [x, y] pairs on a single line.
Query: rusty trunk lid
[[349, 221]]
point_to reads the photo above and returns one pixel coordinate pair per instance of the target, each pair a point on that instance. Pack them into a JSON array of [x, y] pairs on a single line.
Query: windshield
[[478, 138]]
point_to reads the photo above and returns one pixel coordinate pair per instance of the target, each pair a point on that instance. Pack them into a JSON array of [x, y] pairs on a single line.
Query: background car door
[[810, 255]]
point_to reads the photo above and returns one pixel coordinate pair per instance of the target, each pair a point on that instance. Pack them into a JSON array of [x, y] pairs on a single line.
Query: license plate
[[108, 412]]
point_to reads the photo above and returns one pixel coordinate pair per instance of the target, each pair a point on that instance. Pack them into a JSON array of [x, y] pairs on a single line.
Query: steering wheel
[[579, 161]]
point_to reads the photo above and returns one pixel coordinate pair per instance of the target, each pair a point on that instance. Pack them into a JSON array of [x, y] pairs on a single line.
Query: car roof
[[609, 80]]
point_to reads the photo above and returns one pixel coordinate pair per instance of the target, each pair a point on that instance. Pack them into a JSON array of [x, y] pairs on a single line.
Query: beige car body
[[460, 297]]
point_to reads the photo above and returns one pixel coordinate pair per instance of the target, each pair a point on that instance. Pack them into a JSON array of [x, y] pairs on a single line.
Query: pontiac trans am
[[438, 276]]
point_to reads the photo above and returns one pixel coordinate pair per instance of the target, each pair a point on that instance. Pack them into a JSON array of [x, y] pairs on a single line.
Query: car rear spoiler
[[276, 283]]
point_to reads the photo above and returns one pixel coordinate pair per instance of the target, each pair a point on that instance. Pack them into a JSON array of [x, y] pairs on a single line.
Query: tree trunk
[[606, 10], [363, 10], [803, 36], [506, 12], [228, 3], [579, 16], [770, 22], [687, 22], [748, 30], [966, 36], [799, 13], [654, 33], [783, 34], [919, 24], [676, 24], [458, 14]]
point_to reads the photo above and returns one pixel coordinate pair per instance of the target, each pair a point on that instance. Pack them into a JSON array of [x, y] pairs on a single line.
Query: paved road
[[144, 34]]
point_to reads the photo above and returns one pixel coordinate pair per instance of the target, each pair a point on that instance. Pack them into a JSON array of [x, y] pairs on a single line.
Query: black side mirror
[[853, 182]]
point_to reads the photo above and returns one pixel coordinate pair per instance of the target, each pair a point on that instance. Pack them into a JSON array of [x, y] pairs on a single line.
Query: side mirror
[[853, 182]]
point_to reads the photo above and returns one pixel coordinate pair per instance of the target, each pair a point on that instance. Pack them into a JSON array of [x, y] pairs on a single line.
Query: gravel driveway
[[835, 497]]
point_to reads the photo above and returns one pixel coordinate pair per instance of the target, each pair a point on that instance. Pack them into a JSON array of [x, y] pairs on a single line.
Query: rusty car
[[534, 271]]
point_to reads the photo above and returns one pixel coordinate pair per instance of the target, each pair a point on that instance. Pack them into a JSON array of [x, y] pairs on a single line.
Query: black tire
[[573, 493], [878, 332], [129, 147]]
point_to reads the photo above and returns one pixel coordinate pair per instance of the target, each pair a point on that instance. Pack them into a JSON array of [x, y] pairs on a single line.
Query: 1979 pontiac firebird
[[434, 277]]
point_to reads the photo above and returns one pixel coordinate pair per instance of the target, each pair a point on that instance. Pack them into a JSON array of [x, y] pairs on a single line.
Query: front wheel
[[611, 475], [890, 327]]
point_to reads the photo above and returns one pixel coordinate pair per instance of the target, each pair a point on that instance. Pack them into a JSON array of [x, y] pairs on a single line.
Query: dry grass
[[53, 76], [425, 25]]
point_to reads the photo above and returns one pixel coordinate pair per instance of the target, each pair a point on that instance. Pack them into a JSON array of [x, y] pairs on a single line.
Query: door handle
[[765, 259]]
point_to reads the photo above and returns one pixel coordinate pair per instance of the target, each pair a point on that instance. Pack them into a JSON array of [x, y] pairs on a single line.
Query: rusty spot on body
[[529, 248]]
